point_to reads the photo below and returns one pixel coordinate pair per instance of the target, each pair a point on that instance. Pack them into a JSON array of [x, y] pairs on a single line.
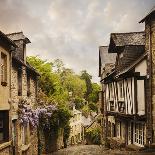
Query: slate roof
[[148, 15], [123, 39], [4, 36], [105, 57], [131, 38], [18, 36], [27, 65], [132, 65]]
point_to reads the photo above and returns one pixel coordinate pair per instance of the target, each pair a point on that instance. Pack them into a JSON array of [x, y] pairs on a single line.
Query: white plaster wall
[[142, 68], [141, 97]]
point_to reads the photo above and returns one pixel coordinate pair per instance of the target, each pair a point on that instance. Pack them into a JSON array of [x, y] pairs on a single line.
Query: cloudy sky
[[72, 30]]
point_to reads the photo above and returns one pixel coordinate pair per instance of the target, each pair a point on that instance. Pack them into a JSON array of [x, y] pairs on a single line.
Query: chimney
[[20, 40]]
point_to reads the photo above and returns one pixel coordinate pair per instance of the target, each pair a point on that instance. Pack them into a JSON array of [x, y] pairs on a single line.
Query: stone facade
[[77, 134], [150, 48], [18, 81], [6, 47], [23, 87]]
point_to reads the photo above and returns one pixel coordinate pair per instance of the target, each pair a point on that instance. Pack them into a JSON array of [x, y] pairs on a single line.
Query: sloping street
[[96, 150], [81, 150]]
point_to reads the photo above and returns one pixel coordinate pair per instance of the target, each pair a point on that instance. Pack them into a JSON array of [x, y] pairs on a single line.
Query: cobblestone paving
[[95, 150]]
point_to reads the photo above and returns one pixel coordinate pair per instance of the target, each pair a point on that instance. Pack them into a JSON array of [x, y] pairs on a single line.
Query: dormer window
[[3, 69]]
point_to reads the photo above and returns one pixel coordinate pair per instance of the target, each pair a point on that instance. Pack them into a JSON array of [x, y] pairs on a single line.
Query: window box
[[4, 83]]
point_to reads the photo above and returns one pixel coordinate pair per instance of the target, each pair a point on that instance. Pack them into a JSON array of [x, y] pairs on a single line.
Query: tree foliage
[[85, 76], [55, 83]]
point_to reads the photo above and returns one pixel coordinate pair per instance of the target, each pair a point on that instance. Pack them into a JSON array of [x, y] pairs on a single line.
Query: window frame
[[3, 69]]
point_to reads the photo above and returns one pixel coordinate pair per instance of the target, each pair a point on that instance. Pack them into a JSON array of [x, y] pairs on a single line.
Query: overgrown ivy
[[94, 135]]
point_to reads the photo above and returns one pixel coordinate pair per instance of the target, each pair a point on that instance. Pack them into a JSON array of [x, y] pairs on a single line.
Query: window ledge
[[25, 147], [5, 144]]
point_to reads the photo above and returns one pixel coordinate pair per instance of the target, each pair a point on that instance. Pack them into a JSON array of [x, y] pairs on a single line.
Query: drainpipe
[[150, 84]]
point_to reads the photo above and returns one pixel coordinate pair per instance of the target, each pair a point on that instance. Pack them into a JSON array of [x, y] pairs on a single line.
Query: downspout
[[150, 86]]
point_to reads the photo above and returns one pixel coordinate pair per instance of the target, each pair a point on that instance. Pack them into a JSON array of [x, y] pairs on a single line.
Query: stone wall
[[31, 146], [150, 82]]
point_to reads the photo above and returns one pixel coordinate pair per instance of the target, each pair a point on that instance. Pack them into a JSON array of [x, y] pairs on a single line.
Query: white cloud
[[72, 30]]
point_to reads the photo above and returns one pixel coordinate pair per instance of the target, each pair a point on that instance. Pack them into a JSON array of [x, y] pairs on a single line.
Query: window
[[4, 126], [121, 107], [19, 81], [3, 69], [139, 134]]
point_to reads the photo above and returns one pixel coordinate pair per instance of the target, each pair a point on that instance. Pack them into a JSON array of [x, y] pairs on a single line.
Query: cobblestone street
[[95, 150]]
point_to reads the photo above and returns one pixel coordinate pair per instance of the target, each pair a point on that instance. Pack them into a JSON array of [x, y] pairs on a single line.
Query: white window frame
[[138, 137]]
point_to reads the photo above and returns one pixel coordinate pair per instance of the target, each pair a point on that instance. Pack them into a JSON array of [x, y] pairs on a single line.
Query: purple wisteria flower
[[28, 115]]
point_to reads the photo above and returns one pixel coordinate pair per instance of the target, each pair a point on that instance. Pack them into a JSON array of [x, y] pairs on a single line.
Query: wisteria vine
[[32, 116]]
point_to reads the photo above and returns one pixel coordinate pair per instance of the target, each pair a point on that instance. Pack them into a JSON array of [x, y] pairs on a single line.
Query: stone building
[[23, 88], [77, 129], [18, 83], [128, 88], [6, 48]]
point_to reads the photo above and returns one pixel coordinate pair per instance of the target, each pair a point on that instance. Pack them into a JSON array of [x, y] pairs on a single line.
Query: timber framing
[[129, 87]]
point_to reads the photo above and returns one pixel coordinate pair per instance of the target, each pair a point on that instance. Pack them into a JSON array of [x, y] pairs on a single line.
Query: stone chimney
[[149, 20], [20, 40]]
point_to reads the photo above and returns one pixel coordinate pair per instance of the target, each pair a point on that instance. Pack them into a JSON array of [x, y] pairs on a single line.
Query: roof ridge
[[128, 32], [15, 33], [148, 14], [104, 46]]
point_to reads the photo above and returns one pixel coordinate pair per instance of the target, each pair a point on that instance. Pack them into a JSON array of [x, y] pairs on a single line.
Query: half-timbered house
[[128, 96], [129, 87]]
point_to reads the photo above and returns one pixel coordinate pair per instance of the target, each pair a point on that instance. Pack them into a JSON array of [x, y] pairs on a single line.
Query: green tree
[[94, 95], [85, 76]]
